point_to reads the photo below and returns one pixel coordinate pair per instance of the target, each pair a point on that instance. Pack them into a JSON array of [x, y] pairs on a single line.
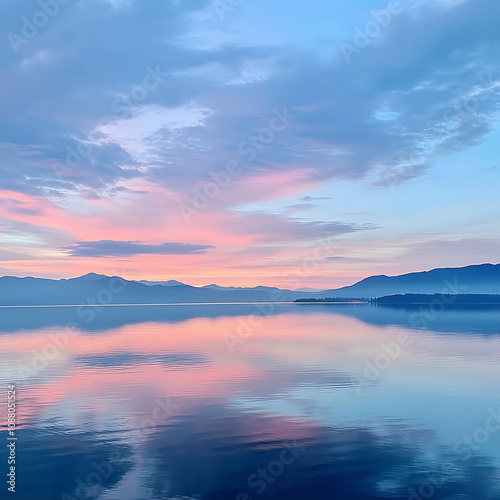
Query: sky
[[237, 142]]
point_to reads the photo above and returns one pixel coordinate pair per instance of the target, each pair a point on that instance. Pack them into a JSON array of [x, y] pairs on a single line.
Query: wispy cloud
[[403, 101], [312, 198], [108, 248]]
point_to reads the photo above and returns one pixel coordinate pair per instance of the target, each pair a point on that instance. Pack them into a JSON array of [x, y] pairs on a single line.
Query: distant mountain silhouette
[[164, 283], [484, 278], [99, 289]]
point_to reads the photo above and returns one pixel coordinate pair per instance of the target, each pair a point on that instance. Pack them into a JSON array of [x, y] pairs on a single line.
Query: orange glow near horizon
[[39, 229], [250, 249]]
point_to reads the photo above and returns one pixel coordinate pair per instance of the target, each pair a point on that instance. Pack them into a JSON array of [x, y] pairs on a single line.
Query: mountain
[[164, 283], [484, 278], [99, 289], [213, 286], [93, 289]]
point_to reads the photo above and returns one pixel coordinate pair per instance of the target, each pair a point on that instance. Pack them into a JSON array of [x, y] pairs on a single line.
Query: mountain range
[[99, 289]]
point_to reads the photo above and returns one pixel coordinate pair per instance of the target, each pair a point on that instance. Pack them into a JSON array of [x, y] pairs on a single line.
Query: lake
[[241, 402]]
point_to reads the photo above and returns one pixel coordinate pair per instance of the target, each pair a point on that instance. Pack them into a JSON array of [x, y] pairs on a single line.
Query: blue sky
[[244, 135]]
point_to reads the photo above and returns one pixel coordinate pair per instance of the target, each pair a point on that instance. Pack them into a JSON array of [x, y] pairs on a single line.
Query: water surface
[[292, 401]]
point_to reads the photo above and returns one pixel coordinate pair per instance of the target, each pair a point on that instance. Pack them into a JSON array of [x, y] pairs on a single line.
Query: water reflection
[[479, 319], [151, 403]]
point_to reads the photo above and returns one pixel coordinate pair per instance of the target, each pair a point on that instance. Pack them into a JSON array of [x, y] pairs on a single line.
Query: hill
[[100, 289], [484, 278]]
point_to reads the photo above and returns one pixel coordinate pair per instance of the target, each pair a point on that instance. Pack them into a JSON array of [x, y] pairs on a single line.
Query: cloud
[[92, 80], [348, 259], [272, 228], [400, 104], [421, 92], [299, 207], [458, 252], [399, 175], [108, 248], [312, 198], [19, 207], [29, 235]]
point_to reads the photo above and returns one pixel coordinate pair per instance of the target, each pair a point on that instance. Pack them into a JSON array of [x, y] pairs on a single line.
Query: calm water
[[302, 402]]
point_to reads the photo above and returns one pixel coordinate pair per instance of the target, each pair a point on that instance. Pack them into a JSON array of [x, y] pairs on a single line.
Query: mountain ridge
[[102, 289]]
